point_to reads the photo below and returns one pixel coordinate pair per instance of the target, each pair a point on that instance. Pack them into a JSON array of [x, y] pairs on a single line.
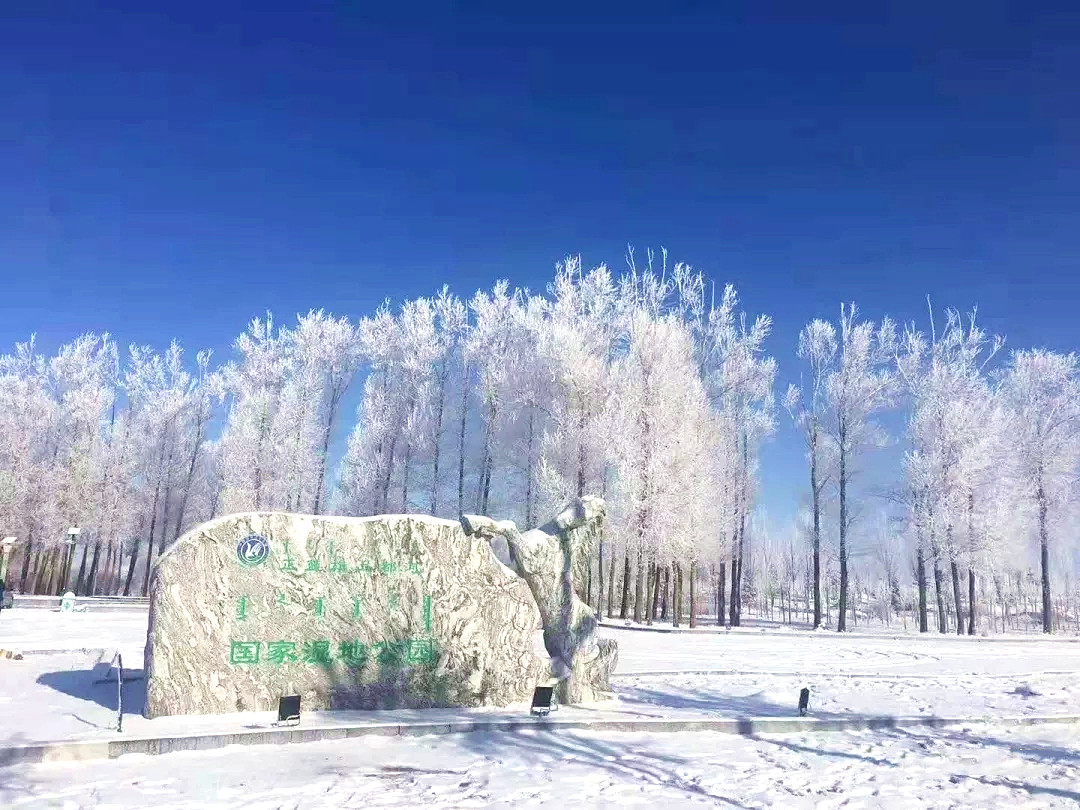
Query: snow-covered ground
[[825, 652], [660, 675], [981, 767], [778, 651], [38, 629]]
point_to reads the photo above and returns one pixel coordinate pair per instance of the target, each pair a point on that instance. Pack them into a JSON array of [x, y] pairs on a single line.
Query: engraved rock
[[399, 611]]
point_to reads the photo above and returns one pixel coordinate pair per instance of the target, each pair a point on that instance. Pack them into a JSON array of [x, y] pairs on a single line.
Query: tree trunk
[[27, 554], [1044, 557], [733, 608], [624, 608], [956, 596], [384, 506], [600, 577], [80, 580], [91, 579], [664, 594], [191, 477], [60, 582], [841, 614], [405, 479], [971, 602], [165, 500], [438, 439], [487, 484], [739, 601], [943, 624], [321, 478], [529, 466], [57, 567], [657, 572], [118, 574], [648, 592], [611, 589], [721, 581], [971, 563], [920, 568], [581, 456], [639, 596], [40, 568], [693, 612], [676, 602], [131, 564], [461, 441], [150, 546], [816, 496]]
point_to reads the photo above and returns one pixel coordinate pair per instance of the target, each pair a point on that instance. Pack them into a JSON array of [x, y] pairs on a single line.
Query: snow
[[897, 769], [40, 629], [660, 675]]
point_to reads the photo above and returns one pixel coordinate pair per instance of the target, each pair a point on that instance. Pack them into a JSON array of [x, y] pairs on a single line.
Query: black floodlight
[[804, 701], [288, 710], [541, 702]]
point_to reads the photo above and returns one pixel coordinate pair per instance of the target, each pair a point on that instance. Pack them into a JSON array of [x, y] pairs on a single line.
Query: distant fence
[[94, 603]]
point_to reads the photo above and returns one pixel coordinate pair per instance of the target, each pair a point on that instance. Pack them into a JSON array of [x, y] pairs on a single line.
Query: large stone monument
[[400, 611]]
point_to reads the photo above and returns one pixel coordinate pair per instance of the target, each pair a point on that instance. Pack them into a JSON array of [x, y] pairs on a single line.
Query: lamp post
[[73, 534], [8, 544]]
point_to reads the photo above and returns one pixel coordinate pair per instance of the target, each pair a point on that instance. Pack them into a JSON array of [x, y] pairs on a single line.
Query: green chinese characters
[[335, 563], [352, 654]]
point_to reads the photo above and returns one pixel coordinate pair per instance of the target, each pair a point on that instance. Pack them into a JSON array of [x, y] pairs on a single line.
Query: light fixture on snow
[[541, 702], [288, 710]]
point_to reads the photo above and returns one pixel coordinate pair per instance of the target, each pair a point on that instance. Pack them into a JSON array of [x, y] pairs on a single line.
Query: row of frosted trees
[[646, 387], [639, 388]]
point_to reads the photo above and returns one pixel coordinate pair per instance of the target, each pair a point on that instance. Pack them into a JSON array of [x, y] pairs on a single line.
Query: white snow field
[[980, 768], [736, 674]]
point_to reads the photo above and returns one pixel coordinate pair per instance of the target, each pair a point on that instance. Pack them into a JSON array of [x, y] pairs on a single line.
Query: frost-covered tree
[[327, 355], [739, 379], [860, 384], [817, 348], [158, 389], [662, 463], [1040, 391], [254, 384], [451, 325], [951, 410], [393, 426], [581, 332]]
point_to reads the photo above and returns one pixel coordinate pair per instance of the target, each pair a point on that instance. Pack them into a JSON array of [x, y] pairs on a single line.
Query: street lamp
[[7, 544]]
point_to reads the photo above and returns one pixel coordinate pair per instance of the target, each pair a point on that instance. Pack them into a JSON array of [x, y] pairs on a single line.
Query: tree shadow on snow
[[1036, 752], [714, 703], [549, 747], [821, 752], [82, 684], [1013, 784]]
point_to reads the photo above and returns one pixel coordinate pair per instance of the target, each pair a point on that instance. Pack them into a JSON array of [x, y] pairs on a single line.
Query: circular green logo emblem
[[252, 550]]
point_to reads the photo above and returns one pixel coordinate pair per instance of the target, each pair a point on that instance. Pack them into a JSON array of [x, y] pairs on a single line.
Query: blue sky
[[171, 171]]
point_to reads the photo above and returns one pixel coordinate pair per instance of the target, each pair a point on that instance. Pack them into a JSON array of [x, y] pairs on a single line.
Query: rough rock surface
[[392, 611], [547, 559]]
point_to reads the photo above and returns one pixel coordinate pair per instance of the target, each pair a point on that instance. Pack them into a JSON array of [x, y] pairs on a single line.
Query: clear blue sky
[[174, 170]]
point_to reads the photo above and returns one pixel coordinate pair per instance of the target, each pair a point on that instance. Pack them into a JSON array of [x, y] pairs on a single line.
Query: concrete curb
[[81, 750], [712, 630]]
